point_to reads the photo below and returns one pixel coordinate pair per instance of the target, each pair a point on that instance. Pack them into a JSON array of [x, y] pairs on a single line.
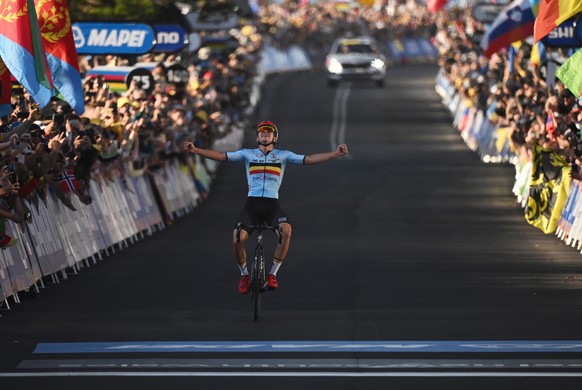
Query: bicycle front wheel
[[258, 280]]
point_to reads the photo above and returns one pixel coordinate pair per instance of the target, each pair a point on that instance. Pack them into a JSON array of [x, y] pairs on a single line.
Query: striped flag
[[57, 37], [550, 125], [552, 13], [5, 90], [22, 50], [514, 23], [570, 72], [538, 54]]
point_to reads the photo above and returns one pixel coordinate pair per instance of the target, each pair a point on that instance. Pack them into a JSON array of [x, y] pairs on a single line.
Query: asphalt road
[[411, 266]]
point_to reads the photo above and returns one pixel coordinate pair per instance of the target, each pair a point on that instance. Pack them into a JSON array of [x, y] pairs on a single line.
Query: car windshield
[[358, 48]]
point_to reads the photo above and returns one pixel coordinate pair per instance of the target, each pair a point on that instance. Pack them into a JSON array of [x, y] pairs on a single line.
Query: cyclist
[[265, 167]]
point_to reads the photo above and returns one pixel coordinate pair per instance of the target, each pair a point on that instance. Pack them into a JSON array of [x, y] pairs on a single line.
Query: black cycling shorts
[[261, 210]]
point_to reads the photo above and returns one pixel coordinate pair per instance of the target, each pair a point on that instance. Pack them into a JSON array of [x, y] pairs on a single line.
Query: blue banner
[[113, 38], [169, 38], [567, 34]]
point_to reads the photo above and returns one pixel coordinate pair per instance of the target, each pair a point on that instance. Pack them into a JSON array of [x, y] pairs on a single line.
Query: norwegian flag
[[69, 181]]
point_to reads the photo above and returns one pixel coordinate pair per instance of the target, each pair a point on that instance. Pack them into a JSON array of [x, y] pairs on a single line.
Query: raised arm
[[206, 153], [319, 158]]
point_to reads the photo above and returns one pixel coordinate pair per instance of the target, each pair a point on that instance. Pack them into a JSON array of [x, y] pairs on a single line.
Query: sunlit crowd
[[133, 132]]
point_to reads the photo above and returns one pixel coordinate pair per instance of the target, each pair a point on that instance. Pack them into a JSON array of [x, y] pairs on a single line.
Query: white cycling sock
[[243, 269], [275, 267]]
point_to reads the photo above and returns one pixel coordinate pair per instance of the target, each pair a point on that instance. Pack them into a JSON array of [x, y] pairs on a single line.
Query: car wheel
[[380, 83]]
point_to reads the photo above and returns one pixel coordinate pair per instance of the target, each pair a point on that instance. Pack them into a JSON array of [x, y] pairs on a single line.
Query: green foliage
[[116, 10]]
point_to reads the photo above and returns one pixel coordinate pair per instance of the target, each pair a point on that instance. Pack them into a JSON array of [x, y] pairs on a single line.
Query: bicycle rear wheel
[[258, 280]]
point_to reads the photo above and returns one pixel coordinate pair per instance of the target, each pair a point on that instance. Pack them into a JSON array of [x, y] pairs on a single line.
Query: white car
[[355, 58]]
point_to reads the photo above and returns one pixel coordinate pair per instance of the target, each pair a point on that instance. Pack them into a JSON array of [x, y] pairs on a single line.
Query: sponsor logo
[[113, 38]]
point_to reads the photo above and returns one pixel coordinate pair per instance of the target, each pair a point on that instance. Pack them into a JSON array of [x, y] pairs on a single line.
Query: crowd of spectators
[[135, 131], [513, 88]]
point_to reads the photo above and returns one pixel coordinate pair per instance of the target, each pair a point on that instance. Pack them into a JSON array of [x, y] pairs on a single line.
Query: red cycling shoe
[[244, 284], [272, 282]]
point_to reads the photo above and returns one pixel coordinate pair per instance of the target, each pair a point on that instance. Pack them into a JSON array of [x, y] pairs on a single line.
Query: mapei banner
[[113, 38]]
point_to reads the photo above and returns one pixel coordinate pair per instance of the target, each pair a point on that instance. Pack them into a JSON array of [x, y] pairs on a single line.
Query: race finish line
[[506, 346], [474, 358]]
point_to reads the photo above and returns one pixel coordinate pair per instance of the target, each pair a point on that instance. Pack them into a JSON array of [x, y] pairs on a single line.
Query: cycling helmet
[[270, 125]]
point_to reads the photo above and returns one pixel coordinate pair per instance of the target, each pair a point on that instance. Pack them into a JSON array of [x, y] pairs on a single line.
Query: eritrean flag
[[552, 13], [5, 90], [262, 168], [57, 37], [514, 23], [22, 50]]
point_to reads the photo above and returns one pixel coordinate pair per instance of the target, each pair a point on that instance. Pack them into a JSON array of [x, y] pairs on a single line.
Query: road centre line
[[337, 134]]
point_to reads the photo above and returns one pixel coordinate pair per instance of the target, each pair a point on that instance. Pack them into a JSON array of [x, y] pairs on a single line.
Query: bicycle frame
[[258, 270]]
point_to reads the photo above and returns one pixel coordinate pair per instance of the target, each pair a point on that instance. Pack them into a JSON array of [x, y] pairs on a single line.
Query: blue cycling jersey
[[265, 172]]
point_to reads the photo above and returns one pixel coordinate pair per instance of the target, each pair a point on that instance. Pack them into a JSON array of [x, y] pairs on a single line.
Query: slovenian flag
[[514, 23], [22, 50], [552, 13], [5, 90], [57, 37]]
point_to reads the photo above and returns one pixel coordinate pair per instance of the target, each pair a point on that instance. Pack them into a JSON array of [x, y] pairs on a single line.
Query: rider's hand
[[342, 150]]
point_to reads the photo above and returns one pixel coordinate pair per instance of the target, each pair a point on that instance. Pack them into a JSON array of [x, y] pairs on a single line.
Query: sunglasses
[[266, 129]]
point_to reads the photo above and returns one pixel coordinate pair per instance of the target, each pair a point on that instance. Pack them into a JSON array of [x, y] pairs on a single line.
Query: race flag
[[550, 124], [552, 13], [69, 181], [5, 90], [57, 37], [435, 5], [538, 54], [570, 72], [511, 59], [535, 6], [549, 189], [514, 23], [22, 51]]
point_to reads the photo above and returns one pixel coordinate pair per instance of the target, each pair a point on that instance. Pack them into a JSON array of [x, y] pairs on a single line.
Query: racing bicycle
[[258, 276]]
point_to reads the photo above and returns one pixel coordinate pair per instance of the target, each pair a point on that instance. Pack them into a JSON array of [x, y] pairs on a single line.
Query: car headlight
[[334, 66], [378, 63]]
